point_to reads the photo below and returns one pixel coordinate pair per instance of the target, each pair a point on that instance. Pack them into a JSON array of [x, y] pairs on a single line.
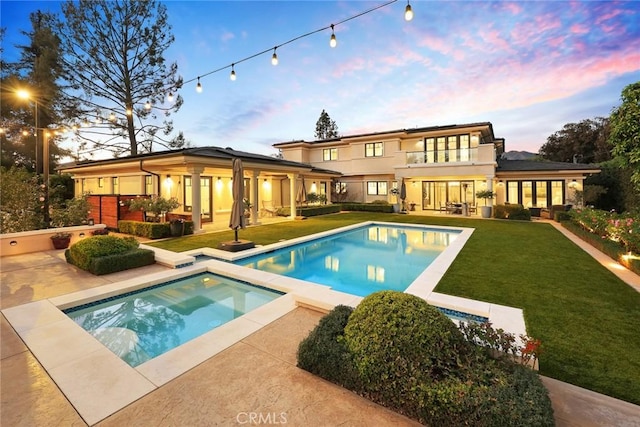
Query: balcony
[[462, 155]]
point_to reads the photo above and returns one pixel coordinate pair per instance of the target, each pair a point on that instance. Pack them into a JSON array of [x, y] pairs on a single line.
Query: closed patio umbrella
[[237, 219], [403, 193]]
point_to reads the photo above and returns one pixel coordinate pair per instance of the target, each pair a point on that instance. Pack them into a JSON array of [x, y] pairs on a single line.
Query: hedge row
[[318, 210], [367, 207], [610, 248], [151, 230], [512, 211]]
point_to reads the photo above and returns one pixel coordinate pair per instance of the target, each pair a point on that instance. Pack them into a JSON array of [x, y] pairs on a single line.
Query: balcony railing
[[442, 156]]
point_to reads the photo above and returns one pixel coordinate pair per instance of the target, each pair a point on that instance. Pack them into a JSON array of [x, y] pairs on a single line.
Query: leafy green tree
[[625, 131], [114, 51], [20, 205], [325, 127], [37, 73], [583, 142]]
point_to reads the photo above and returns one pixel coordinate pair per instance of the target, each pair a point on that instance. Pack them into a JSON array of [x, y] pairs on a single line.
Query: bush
[[560, 216], [404, 354], [82, 253], [151, 230], [318, 210], [324, 353], [119, 262], [398, 341], [512, 211], [367, 207]]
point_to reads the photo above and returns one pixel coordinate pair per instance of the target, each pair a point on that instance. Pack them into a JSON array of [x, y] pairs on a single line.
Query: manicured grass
[[585, 316]]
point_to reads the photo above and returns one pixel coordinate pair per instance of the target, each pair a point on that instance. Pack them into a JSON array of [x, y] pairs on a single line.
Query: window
[[100, 182], [444, 149], [115, 185], [329, 154], [373, 149], [341, 188], [148, 184], [377, 188], [188, 205]]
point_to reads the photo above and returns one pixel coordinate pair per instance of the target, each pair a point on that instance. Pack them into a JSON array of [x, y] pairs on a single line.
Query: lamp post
[[24, 94]]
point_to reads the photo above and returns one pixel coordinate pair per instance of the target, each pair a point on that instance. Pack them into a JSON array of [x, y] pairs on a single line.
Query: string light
[[147, 105], [408, 12], [333, 42], [170, 97], [112, 117]]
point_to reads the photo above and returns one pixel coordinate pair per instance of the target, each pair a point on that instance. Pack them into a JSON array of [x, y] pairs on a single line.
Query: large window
[[329, 154], [373, 149], [444, 149], [539, 194], [148, 184], [377, 188]]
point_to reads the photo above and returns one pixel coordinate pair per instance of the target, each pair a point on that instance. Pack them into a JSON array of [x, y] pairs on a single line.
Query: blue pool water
[[361, 261], [144, 324]]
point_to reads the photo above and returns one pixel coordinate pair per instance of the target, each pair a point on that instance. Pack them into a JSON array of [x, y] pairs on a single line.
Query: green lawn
[[585, 316]]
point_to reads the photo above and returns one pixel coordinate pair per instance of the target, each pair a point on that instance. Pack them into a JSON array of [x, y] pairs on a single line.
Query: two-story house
[[439, 165]]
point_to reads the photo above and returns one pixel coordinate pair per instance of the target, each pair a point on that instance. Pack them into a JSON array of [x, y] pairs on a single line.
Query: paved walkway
[[219, 391]]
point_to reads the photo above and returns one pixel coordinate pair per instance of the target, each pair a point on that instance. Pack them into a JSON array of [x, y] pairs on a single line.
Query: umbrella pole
[[236, 233]]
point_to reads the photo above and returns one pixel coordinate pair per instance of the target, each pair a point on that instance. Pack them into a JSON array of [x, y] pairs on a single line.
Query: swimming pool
[[360, 261], [141, 325]]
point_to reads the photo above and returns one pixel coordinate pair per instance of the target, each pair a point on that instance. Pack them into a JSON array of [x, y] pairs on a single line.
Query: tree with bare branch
[[115, 65]]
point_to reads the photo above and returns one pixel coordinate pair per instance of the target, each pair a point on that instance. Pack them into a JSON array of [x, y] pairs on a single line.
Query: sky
[[527, 67]]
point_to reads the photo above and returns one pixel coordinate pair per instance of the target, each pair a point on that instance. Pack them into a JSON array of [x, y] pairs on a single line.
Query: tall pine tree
[[114, 51], [325, 127]]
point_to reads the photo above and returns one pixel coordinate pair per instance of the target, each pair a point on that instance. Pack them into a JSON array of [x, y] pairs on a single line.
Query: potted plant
[[61, 240], [485, 194], [396, 206], [153, 208], [177, 227], [247, 208]]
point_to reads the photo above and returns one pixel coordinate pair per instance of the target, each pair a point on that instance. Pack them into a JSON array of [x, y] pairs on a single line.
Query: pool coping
[[70, 354]]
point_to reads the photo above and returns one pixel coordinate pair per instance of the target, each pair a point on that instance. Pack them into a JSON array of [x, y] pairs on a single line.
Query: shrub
[[119, 262], [560, 216], [317, 210], [404, 354], [323, 351], [82, 253], [100, 232], [151, 230], [368, 207], [398, 341], [512, 211]]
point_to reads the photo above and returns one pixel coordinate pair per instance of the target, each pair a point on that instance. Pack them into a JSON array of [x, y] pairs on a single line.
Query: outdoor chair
[[268, 208], [473, 208]]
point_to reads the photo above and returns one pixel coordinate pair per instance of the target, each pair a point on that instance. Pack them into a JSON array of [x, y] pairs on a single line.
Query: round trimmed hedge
[[398, 341]]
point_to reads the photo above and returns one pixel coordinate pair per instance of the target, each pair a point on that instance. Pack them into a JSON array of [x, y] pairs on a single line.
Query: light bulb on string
[[233, 73], [333, 42], [199, 86], [147, 105], [408, 12], [170, 97], [274, 58]]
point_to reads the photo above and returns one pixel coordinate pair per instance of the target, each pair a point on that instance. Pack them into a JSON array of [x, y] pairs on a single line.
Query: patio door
[[434, 194]]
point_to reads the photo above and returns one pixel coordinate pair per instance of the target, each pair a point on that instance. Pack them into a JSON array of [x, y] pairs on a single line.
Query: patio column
[[490, 188], [196, 202], [293, 177], [254, 196]]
